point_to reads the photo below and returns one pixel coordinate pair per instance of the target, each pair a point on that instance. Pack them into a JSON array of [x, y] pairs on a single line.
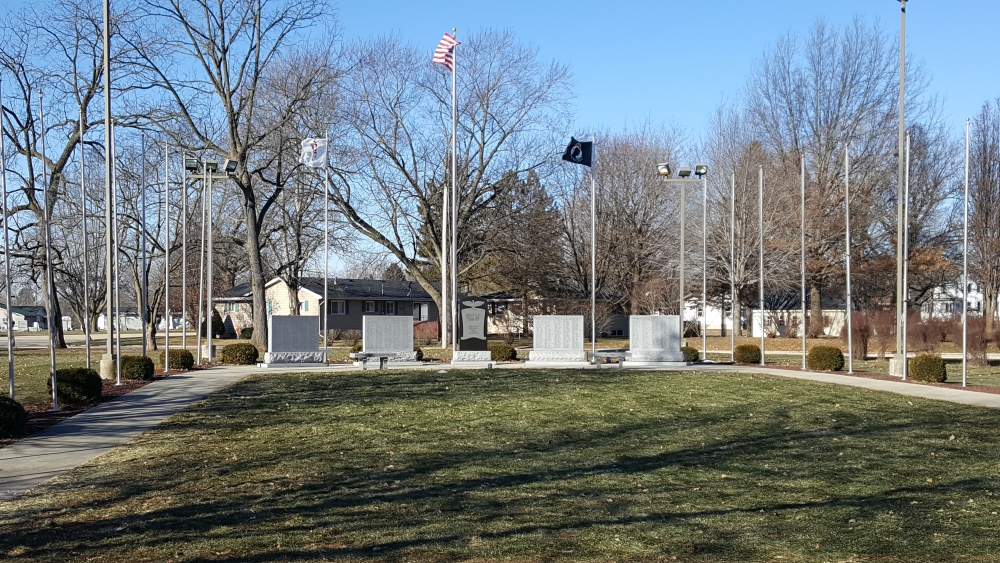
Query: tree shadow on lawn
[[435, 501]]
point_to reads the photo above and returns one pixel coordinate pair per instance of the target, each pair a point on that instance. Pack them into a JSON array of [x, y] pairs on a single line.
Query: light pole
[[965, 267], [684, 178], [760, 219], [847, 259], [900, 310], [732, 269], [209, 170], [802, 233]]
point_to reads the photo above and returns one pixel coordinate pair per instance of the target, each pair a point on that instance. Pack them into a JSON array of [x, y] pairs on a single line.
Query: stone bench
[[363, 357], [607, 354]]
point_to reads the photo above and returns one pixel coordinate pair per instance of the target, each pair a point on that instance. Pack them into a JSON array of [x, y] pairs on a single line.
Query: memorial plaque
[[293, 340], [558, 338], [389, 334], [472, 324], [654, 339]]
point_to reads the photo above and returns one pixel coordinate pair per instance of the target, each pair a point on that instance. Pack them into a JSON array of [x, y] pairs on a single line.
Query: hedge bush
[[137, 367], [747, 354], [242, 354], [13, 419], [825, 358], [246, 333], [356, 348], [179, 359], [77, 386], [928, 367], [420, 353], [500, 352], [691, 355]]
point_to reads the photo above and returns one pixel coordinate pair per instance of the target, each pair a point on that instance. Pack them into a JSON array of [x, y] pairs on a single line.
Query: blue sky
[[673, 62]]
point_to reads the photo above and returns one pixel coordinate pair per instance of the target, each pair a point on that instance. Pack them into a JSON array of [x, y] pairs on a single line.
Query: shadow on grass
[[446, 482]]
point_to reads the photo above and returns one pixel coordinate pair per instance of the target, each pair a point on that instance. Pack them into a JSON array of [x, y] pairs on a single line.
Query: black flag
[[579, 152]]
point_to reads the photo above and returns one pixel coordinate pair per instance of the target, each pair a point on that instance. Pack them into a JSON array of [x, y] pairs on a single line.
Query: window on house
[[270, 307], [390, 307], [369, 306], [304, 307], [336, 308], [420, 311], [230, 307], [618, 332]]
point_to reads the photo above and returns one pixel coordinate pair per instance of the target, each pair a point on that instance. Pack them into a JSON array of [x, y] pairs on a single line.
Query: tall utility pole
[[900, 306]]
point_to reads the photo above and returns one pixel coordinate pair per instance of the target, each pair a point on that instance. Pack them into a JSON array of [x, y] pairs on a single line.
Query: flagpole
[[326, 244], [166, 257], [593, 255], [760, 219], [732, 269], [201, 274], [965, 267], [6, 253], [50, 305], [86, 250], [184, 253], [906, 258], [454, 199], [108, 359], [847, 256], [117, 263], [142, 226], [802, 233]]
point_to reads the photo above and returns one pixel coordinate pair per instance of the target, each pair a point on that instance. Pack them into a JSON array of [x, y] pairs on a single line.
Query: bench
[[607, 354], [363, 357]]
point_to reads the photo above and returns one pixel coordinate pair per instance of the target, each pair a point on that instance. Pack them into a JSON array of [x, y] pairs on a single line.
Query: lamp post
[[684, 178], [900, 306], [209, 170]]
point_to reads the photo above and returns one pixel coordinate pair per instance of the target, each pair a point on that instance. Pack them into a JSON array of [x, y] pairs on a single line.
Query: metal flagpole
[[760, 219], [326, 247], [6, 253], [847, 258], [454, 197], [965, 267], [117, 244], [49, 286], [201, 273], [680, 312], [906, 259], [802, 232], [144, 304], [208, 285], [184, 254], [166, 257], [732, 269], [593, 255], [704, 267], [86, 249]]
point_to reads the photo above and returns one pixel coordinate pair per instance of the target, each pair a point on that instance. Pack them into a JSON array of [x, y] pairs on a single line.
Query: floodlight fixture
[[231, 166], [211, 166], [663, 168], [700, 170], [684, 172], [191, 164]]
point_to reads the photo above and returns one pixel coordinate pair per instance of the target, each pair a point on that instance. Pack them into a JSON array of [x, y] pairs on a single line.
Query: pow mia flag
[[579, 152]]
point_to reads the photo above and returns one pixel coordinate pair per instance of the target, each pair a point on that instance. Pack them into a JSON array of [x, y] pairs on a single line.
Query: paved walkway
[[77, 440]]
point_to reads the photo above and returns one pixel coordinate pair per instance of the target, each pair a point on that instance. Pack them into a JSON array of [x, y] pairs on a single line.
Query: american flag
[[443, 54]]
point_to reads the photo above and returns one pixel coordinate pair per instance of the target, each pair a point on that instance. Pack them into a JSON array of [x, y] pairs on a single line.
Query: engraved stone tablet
[[558, 338], [654, 339], [389, 334]]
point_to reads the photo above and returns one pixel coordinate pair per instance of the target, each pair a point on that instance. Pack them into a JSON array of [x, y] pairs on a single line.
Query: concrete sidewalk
[[77, 440]]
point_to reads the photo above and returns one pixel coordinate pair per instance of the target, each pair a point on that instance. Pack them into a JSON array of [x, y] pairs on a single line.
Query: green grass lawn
[[532, 465]]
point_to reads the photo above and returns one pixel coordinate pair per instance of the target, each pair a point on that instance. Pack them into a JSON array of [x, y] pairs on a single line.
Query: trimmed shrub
[[356, 348], [748, 354], [502, 352], [246, 333], [179, 359], [691, 355], [825, 358], [420, 353], [77, 386], [13, 419], [242, 354], [218, 325], [137, 367], [928, 367]]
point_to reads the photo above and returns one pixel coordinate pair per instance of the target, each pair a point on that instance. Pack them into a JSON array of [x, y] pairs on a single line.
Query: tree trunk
[[815, 311], [150, 334], [990, 292], [293, 300], [738, 316], [252, 246], [55, 315]]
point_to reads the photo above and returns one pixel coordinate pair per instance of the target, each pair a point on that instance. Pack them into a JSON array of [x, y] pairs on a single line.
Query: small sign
[[472, 324]]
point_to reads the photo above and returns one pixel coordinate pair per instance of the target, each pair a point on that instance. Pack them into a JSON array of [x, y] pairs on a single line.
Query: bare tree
[[984, 206]]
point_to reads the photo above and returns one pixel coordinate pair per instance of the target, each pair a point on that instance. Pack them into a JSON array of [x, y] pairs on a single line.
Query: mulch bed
[[40, 416]]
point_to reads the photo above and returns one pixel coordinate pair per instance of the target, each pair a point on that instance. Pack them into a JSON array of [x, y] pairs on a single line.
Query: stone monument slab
[[293, 340], [558, 339], [654, 340], [390, 335], [472, 345]]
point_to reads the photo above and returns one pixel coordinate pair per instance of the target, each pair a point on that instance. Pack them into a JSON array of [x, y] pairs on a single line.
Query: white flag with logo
[[313, 153]]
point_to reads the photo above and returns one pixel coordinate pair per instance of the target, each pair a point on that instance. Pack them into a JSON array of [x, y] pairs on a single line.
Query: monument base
[[107, 367], [564, 358], [317, 358], [205, 356], [472, 358], [656, 356], [642, 364]]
